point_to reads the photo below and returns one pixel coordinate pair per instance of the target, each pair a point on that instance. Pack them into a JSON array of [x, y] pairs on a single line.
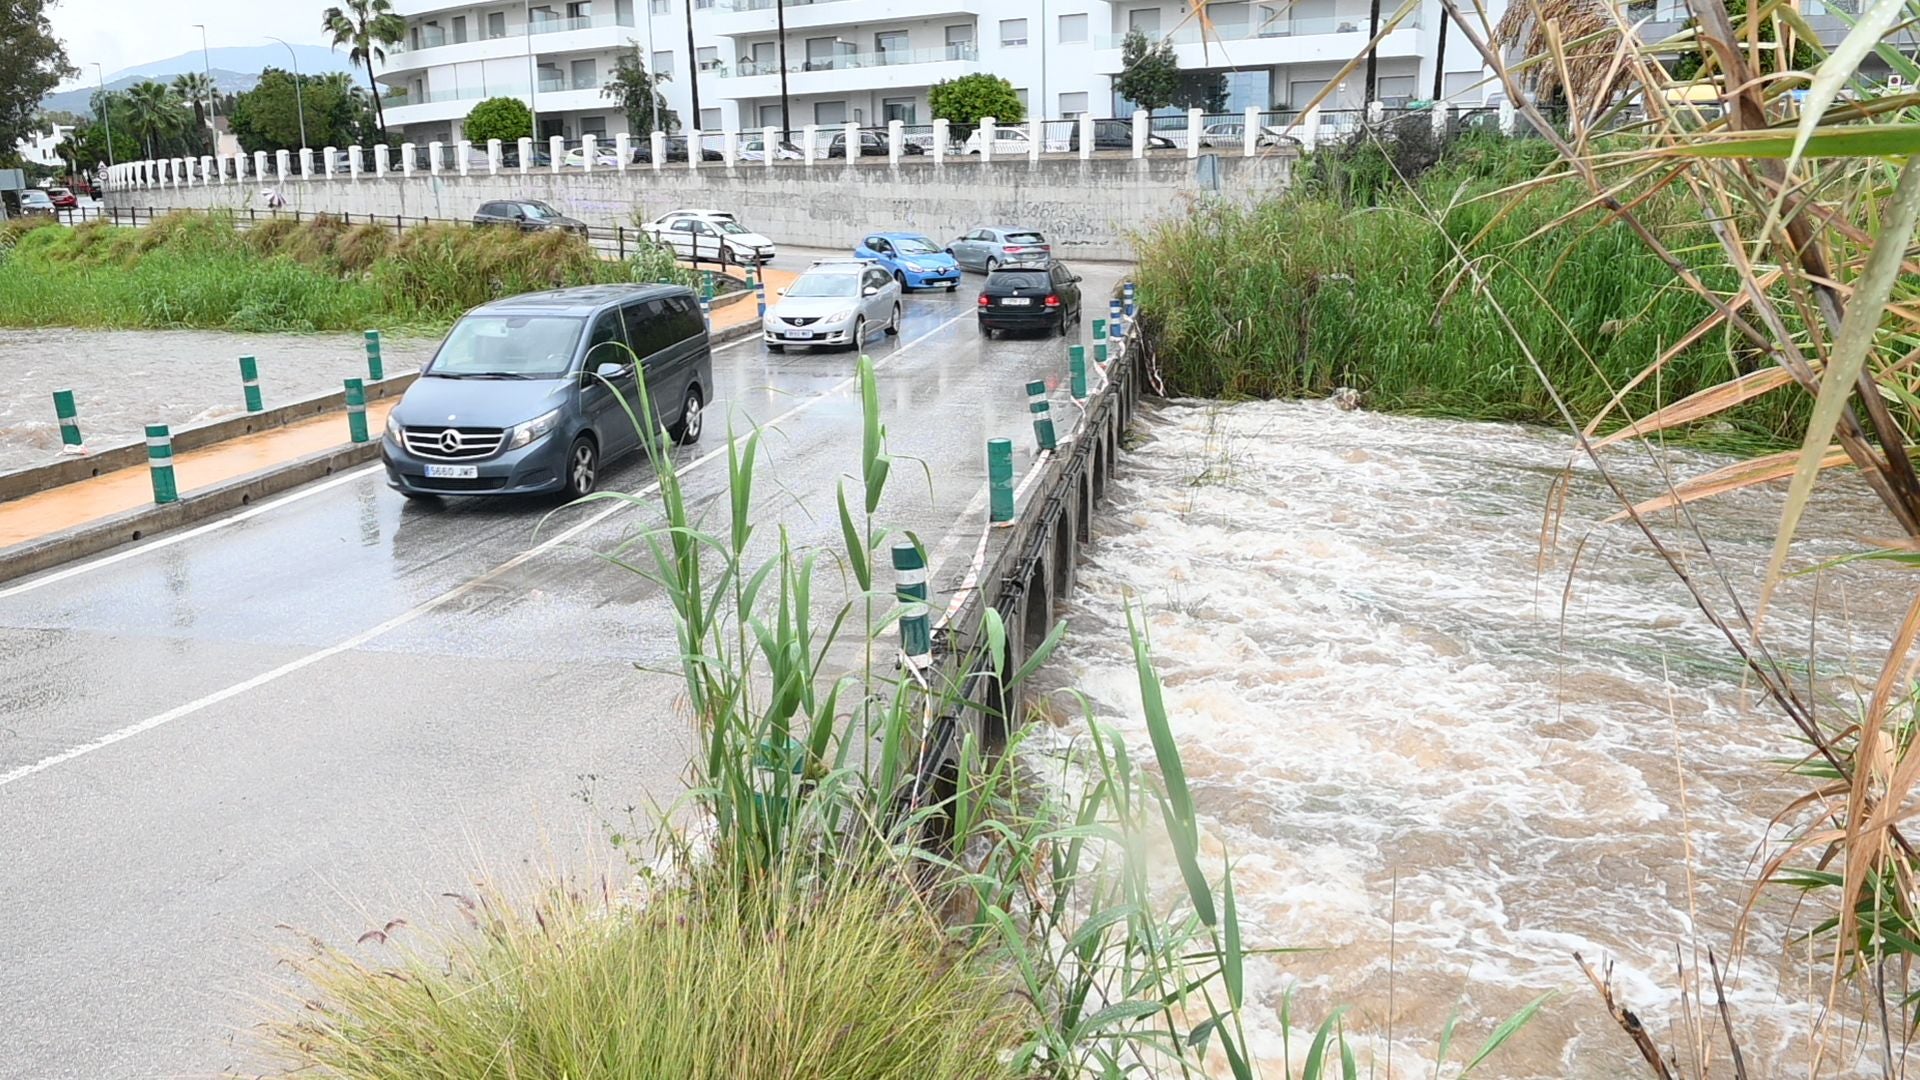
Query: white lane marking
[[423, 608], [180, 537]]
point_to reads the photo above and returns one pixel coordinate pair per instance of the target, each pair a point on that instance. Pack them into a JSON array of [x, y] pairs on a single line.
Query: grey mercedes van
[[524, 395]]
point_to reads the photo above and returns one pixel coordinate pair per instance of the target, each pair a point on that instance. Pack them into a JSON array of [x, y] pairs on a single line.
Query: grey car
[[835, 302], [989, 249], [529, 395], [529, 214]]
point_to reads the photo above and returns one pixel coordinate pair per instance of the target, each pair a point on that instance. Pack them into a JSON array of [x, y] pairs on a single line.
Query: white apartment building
[[871, 61]]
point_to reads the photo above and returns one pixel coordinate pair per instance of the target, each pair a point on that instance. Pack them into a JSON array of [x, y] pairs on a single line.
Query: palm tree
[[156, 113], [196, 89], [367, 26]]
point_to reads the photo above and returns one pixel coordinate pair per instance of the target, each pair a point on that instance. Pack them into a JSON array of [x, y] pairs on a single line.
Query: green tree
[[1688, 62], [267, 117], [367, 26], [32, 62], [504, 118], [86, 145], [638, 93], [970, 99], [156, 115], [1149, 72], [196, 90]]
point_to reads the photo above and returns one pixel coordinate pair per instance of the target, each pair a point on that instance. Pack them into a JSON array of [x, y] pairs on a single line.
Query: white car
[[603, 158], [754, 148], [835, 302], [1007, 142], [710, 236]]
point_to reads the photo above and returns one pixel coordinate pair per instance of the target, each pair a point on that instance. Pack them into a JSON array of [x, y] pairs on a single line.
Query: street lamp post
[[299, 99], [206, 63], [106, 112], [786, 121], [533, 81]]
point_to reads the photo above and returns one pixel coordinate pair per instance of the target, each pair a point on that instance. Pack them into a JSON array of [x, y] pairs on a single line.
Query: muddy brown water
[[1451, 758], [125, 379]]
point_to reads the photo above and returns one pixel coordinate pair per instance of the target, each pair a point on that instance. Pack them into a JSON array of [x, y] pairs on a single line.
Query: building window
[[1462, 86], [1073, 29], [769, 116], [580, 9], [1395, 89], [1021, 93], [659, 7], [708, 57], [497, 25], [1013, 33], [595, 126], [702, 5], [709, 119], [1073, 106], [901, 109], [1145, 20], [459, 29], [829, 112], [663, 63], [583, 76], [890, 41]]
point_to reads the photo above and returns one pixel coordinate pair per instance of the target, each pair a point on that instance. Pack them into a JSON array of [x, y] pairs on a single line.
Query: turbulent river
[[1448, 753]]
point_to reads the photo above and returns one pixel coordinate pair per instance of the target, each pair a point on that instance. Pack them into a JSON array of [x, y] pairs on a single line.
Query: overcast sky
[[121, 33]]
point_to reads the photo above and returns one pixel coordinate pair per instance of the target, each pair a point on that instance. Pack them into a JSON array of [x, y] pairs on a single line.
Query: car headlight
[[393, 426], [533, 429], [839, 316]]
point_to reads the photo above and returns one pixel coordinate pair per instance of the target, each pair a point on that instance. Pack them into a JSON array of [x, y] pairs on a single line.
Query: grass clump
[[203, 271], [1356, 279], [702, 981]]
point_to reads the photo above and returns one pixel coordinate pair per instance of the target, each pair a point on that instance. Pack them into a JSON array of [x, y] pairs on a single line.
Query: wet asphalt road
[[327, 711]]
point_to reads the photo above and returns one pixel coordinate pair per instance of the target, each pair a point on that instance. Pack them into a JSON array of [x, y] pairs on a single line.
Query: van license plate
[[453, 472], [800, 335], [1015, 301]]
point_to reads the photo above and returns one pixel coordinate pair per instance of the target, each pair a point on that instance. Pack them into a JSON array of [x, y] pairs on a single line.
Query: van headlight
[[393, 425], [533, 429]]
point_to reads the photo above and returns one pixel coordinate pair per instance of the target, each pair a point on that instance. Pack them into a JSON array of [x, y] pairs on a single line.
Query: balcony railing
[[563, 83], [1279, 28], [437, 37], [560, 26], [766, 5], [472, 93], [847, 61]]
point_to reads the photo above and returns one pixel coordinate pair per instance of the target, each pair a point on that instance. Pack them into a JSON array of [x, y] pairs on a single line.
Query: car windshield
[[825, 285], [731, 228], [914, 245], [1025, 238], [1018, 279], [34, 197], [508, 347], [540, 211]]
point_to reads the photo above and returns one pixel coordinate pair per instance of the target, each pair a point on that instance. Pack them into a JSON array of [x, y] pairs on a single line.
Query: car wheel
[[986, 331], [727, 257], [893, 325], [992, 264], [583, 468], [859, 334], [1063, 322], [776, 347], [952, 285], [687, 430], [900, 279]]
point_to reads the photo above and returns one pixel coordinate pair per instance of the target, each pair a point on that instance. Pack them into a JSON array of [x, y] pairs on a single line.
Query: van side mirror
[[611, 370]]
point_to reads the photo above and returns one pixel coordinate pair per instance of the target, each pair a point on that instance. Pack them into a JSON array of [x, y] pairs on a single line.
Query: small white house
[[38, 147]]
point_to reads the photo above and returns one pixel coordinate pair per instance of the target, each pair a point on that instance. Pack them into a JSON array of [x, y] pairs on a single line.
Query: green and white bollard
[[63, 407], [250, 382], [1077, 368], [375, 369], [706, 312], [160, 463], [1000, 479], [357, 410], [1042, 415], [706, 284], [910, 588], [1099, 329], [1100, 354]]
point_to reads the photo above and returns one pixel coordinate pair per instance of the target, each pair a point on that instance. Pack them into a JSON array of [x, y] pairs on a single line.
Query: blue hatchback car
[[914, 261]]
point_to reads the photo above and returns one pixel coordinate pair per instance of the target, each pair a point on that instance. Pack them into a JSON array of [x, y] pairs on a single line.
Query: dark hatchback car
[[676, 151], [1030, 298], [529, 214], [1116, 135], [525, 396], [872, 144]]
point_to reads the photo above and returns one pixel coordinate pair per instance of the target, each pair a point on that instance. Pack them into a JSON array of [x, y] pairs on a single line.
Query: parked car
[[754, 148], [834, 302], [872, 144], [529, 214], [525, 395], [1116, 135], [1007, 142], [603, 158], [989, 249], [1030, 298], [35, 203], [710, 235], [1233, 136], [62, 198], [914, 261], [676, 151]]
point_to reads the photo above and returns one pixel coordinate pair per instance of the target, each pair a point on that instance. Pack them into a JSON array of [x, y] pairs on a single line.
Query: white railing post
[[1036, 139], [896, 138], [1141, 122], [526, 154], [556, 151], [493, 157], [281, 160], [657, 147], [1376, 112], [809, 138], [1310, 129], [852, 130], [1507, 117], [406, 159], [1252, 132], [211, 164], [729, 147], [622, 151], [695, 148], [1193, 132], [382, 160], [465, 149], [985, 134], [942, 131], [1442, 118], [589, 146], [306, 163], [353, 162], [1086, 136], [433, 157], [768, 143], [330, 159]]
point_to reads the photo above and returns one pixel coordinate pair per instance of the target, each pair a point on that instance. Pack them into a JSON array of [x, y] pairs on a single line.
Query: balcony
[[542, 36], [849, 72], [402, 108], [739, 18], [1283, 41]]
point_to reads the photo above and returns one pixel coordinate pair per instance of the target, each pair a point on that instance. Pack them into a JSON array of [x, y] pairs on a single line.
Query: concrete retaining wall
[[1088, 209]]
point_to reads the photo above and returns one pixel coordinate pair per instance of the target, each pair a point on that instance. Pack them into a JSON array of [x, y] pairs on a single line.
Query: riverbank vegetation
[[205, 271]]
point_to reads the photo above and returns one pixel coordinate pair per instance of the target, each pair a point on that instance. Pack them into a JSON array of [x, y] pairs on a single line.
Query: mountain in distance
[[236, 68]]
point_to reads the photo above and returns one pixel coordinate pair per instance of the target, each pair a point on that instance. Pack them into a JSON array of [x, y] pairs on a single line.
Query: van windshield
[[508, 347]]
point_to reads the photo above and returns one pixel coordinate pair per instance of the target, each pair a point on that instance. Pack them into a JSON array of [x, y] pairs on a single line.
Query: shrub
[[503, 118], [971, 98]]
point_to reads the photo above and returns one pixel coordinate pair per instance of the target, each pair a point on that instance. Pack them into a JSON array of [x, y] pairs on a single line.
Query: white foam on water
[[1383, 683]]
